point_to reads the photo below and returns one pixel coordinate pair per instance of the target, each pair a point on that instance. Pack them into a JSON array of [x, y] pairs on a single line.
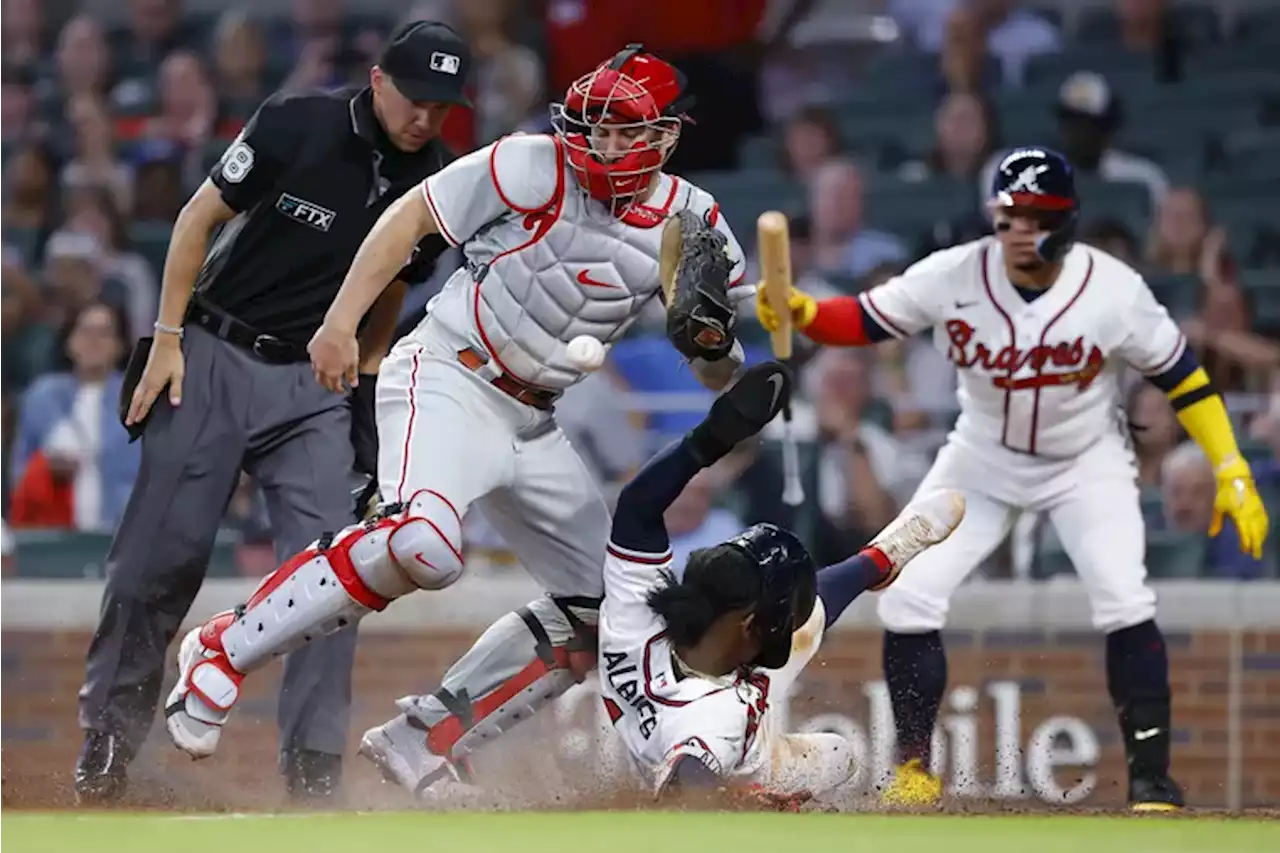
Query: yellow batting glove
[[1238, 497], [803, 309]]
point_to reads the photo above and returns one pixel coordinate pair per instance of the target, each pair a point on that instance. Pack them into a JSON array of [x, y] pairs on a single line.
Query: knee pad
[[905, 611], [522, 663], [426, 544], [338, 580]]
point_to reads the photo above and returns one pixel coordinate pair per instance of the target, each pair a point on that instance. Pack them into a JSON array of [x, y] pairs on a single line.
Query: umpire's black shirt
[[308, 177]]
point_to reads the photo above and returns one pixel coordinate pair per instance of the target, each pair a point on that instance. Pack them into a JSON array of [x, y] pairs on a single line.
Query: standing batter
[[562, 237], [1041, 328], [689, 667]]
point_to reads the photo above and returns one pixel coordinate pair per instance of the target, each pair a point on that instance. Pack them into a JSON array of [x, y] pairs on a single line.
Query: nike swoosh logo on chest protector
[[585, 279]]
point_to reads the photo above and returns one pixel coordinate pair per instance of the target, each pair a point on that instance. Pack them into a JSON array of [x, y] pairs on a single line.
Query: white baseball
[[585, 353]]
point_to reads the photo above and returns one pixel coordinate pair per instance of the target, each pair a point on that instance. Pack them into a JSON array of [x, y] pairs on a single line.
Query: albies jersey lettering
[[662, 714], [1039, 377], [545, 263]]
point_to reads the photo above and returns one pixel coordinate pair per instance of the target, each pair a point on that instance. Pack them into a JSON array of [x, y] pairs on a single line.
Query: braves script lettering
[[1082, 368]]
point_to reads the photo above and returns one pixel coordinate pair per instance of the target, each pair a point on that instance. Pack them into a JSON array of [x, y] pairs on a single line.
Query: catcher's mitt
[[695, 269]]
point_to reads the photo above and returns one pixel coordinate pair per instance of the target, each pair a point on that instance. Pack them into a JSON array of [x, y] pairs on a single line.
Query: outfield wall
[[1026, 719]]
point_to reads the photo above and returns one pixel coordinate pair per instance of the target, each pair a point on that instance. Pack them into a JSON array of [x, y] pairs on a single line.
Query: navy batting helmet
[[788, 591], [1041, 180]]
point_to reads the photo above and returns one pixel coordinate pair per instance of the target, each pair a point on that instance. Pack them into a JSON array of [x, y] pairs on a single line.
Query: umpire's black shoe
[[100, 769], [1155, 794], [310, 775]]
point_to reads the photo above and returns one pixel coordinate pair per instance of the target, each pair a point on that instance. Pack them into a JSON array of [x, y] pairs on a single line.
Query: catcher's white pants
[[444, 428], [1091, 500]]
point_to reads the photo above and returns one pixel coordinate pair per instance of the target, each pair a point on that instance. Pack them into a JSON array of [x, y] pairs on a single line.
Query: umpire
[[294, 195]]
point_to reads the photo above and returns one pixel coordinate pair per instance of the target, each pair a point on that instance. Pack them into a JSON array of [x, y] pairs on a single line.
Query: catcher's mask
[[1039, 182], [789, 588], [635, 94]]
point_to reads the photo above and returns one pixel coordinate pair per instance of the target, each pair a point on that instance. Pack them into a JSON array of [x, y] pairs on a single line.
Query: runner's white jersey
[[662, 714], [546, 263], [1039, 377]]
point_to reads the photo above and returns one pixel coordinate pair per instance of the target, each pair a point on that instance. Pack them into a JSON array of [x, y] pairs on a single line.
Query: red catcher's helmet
[[635, 93]]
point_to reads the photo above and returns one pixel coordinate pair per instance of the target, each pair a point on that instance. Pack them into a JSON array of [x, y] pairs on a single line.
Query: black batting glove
[[741, 411]]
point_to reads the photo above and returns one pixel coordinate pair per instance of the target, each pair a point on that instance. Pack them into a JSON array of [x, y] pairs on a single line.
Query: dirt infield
[[550, 761]]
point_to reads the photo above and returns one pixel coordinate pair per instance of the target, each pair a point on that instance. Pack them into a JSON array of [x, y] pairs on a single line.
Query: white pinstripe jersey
[[1039, 377], [545, 262], [662, 714]]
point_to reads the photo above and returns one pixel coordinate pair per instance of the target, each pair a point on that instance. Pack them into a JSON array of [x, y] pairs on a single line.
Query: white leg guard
[[522, 663], [333, 583]]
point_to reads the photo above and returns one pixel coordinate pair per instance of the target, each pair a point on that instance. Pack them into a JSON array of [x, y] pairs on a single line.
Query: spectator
[[240, 63], [75, 276], [864, 473], [964, 62], [94, 212], [72, 462], [155, 30], [1015, 35], [809, 139], [1089, 114], [187, 113], [841, 245], [1155, 431], [1188, 489], [1012, 35], [26, 341], [1113, 237], [693, 519], [1183, 243], [94, 163], [157, 186], [1149, 28], [19, 121], [508, 77], [29, 199], [84, 62], [313, 35], [25, 37], [965, 135], [1235, 358]]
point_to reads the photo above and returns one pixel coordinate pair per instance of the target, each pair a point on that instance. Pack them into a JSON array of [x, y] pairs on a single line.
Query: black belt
[[222, 325]]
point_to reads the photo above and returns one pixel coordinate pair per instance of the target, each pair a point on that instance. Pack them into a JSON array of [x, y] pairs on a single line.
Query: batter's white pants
[[444, 428], [1091, 500]]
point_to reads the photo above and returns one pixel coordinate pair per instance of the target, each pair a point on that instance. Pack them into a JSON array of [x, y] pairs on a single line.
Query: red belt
[[539, 398]]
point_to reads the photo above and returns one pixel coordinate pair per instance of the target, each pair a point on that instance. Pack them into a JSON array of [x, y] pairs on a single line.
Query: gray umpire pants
[[293, 437]]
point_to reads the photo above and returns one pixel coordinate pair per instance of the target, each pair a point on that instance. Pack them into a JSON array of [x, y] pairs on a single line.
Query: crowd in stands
[[875, 124]]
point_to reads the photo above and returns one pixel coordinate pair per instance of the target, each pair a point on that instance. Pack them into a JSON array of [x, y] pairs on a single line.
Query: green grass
[[624, 832]]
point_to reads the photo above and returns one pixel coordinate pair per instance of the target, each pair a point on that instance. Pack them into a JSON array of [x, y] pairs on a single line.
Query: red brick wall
[[1052, 675]]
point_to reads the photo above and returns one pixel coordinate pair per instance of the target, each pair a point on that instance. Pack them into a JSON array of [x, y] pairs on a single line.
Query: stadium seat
[[743, 196], [151, 240]]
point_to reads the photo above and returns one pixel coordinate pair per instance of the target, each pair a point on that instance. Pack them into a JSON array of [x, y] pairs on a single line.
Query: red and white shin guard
[[333, 583]]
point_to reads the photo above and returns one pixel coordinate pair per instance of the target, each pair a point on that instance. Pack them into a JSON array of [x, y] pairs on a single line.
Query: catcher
[[564, 235], [688, 667]]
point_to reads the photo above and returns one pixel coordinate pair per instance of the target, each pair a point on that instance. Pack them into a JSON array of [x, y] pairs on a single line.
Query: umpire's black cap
[[429, 62]]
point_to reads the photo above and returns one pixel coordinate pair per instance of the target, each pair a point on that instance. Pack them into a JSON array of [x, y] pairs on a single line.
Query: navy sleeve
[[873, 330], [637, 520], [1178, 371], [840, 584], [261, 154]]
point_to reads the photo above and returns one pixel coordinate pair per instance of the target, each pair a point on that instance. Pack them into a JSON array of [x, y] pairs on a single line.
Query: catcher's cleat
[[1155, 794], [398, 748], [913, 787], [208, 686], [100, 770], [923, 524]]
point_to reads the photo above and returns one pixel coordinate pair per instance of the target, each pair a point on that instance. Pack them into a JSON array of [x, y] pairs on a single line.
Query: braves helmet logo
[[1028, 180]]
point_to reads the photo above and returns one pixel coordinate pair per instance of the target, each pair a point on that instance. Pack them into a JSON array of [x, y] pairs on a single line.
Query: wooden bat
[[773, 236]]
